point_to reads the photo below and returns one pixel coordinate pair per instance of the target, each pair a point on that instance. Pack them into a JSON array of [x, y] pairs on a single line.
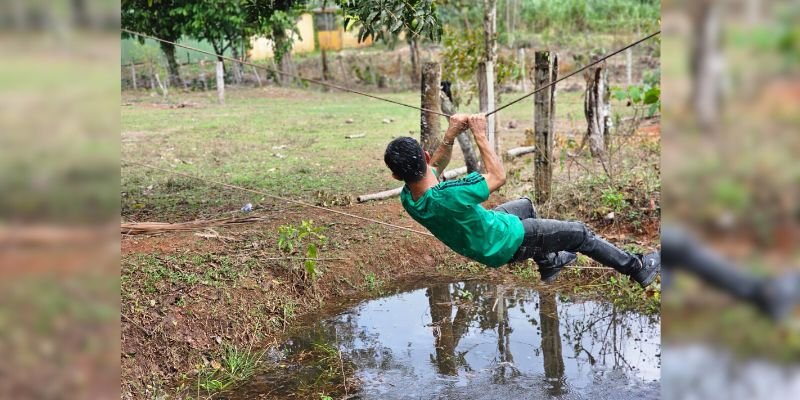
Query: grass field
[[288, 142]]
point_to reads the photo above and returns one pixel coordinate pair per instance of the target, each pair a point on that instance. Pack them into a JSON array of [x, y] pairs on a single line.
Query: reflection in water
[[551, 344], [474, 340]]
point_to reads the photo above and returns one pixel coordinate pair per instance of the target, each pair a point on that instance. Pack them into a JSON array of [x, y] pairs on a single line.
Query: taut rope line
[[345, 89], [591, 64], [318, 82], [302, 203]]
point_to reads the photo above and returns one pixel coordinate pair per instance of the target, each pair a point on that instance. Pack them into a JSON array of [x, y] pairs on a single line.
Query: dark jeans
[[545, 236]]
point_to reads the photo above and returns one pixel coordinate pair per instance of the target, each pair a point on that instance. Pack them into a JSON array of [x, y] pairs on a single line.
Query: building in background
[[319, 29]]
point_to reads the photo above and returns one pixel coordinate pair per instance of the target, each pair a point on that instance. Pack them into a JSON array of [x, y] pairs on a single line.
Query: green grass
[[234, 143], [232, 365], [286, 142], [153, 271]]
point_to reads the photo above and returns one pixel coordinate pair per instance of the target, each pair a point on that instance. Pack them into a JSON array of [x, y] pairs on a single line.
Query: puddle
[[470, 340], [701, 371]]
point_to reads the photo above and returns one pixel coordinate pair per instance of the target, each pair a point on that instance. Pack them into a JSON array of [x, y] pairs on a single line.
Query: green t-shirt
[[453, 213]]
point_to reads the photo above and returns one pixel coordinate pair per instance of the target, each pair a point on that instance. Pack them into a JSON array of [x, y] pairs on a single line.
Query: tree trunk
[[429, 122], [464, 139], [172, 64], [220, 81], [490, 54], [287, 66], [486, 101], [595, 108], [414, 46], [545, 71], [629, 66], [490, 29], [325, 70], [707, 63], [237, 67]]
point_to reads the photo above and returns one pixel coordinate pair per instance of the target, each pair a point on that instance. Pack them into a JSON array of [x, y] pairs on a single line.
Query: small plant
[[613, 199], [465, 294], [291, 237], [372, 281], [646, 95], [235, 365]]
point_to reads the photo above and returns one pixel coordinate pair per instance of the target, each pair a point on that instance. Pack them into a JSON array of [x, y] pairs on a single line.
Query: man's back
[[452, 211]]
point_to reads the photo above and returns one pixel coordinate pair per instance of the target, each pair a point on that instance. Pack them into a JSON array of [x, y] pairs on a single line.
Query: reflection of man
[[511, 232]]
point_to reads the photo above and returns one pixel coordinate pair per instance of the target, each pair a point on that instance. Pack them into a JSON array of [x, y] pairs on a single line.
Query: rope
[[585, 67], [318, 82], [302, 203], [345, 89]]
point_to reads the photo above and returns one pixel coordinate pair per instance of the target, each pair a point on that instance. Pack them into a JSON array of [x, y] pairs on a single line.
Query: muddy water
[[470, 340]]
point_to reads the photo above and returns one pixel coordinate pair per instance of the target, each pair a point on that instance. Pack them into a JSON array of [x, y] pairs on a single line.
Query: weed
[[235, 365], [526, 271], [288, 312], [465, 294], [291, 237], [372, 281], [627, 295], [613, 199]]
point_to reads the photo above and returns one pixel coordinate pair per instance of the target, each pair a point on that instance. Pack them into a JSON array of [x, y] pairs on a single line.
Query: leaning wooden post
[[595, 109], [258, 78], [220, 82], [465, 138], [429, 122], [543, 117], [486, 100]]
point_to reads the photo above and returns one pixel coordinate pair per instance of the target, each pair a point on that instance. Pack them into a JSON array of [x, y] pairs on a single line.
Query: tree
[[230, 25], [159, 18], [386, 19]]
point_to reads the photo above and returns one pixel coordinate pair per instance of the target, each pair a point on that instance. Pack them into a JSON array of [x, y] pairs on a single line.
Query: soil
[[170, 331]]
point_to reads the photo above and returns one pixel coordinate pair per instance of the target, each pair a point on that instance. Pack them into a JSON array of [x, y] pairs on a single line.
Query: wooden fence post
[[522, 68], [486, 100], [595, 108], [133, 76], [545, 71], [220, 82], [429, 122]]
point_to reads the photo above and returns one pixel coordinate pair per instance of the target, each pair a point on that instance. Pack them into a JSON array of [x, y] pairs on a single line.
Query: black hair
[[405, 157]]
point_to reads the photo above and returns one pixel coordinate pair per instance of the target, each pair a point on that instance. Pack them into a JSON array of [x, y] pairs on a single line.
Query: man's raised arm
[[441, 157], [495, 174]]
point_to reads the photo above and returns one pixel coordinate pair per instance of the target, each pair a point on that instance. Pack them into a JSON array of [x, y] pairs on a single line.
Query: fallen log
[[396, 192], [519, 151]]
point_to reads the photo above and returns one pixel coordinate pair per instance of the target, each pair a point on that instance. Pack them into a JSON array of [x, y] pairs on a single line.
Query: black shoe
[[554, 263], [778, 296], [649, 268]]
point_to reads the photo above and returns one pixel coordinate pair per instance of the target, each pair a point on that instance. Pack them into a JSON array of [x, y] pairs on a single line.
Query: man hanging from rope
[[511, 232]]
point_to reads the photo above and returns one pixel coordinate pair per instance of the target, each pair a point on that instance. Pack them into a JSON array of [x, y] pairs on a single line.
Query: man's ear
[[427, 157]]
